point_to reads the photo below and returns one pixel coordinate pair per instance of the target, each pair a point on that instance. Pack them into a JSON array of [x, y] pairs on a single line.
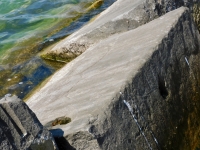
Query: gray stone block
[[121, 16], [155, 68]]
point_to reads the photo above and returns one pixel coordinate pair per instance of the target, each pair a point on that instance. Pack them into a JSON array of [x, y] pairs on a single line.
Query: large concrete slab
[[149, 66]]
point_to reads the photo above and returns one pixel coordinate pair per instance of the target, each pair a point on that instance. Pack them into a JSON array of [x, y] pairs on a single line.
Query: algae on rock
[[196, 14]]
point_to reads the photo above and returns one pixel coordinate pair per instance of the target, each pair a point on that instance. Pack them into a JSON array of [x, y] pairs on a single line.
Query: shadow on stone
[[61, 142]]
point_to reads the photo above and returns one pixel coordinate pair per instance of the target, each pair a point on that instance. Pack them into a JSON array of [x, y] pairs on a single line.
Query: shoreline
[[48, 49], [13, 73]]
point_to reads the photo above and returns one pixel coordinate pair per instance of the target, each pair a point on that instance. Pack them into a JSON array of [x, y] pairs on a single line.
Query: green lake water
[[26, 27]]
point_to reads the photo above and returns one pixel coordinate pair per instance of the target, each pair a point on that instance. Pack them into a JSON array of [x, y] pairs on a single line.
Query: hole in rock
[[129, 141], [162, 88]]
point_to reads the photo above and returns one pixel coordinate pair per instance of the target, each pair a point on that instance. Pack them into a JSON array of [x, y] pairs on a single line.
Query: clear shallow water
[[23, 20], [26, 26]]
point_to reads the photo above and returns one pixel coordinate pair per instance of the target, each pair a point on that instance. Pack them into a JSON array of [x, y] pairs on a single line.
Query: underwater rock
[[22, 78]]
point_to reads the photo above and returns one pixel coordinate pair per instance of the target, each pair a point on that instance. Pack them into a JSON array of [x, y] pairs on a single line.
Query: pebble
[[20, 83], [8, 95]]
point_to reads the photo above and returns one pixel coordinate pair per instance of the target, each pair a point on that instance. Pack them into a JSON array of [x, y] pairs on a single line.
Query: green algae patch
[[54, 64], [95, 5], [58, 57], [2, 25], [39, 30], [4, 80], [11, 82], [196, 14], [61, 121], [57, 60], [25, 48]]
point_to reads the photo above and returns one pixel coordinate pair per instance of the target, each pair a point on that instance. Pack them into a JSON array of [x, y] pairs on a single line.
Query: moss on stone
[[57, 60], [61, 121], [196, 14]]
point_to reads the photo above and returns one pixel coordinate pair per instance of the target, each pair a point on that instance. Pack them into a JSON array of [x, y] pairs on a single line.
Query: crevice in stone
[[158, 8], [162, 88], [16, 127]]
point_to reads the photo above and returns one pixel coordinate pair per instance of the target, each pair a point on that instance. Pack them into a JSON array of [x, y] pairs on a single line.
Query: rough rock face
[[154, 68], [20, 129], [123, 15], [196, 13]]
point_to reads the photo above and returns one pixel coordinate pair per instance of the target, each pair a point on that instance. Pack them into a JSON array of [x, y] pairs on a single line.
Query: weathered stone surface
[[123, 15], [20, 129], [155, 67]]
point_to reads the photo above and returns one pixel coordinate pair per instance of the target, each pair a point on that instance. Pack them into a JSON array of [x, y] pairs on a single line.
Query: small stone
[[8, 95], [51, 40]]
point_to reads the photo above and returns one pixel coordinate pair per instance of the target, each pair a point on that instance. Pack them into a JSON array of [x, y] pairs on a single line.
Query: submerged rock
[[20, 129], [134, 90], [22, 78]]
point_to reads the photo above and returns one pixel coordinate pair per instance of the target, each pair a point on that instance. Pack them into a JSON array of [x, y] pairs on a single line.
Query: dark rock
[[20, 129]]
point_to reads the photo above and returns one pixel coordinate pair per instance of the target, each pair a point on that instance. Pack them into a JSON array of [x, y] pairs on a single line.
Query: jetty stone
[[121, 16], [20, 129], [154, 68]]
